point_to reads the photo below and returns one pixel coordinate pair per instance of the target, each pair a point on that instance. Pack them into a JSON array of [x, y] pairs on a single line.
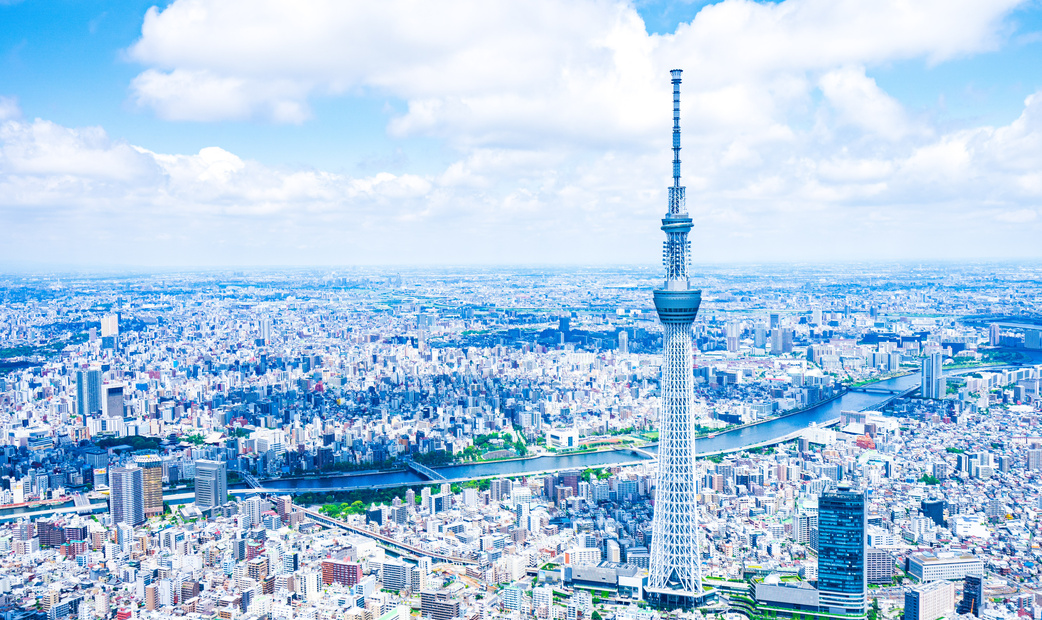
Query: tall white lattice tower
[[676, 576]]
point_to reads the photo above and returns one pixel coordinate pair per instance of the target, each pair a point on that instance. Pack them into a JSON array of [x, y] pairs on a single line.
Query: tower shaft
[[675, 573]]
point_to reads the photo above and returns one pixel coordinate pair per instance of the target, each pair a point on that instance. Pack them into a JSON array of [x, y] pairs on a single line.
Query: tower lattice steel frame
[[676, 575]]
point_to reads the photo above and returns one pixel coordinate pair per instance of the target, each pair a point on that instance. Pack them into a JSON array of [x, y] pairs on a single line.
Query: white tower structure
[[675, 579]]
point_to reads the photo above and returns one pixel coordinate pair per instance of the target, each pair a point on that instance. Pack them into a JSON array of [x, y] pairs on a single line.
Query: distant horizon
[[57, 269]]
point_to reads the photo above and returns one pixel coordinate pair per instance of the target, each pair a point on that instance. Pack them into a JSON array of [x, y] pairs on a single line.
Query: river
[[728, 441]]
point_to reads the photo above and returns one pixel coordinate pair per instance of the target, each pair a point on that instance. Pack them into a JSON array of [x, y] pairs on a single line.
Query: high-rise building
[[1034, 459], [152, 486], [930, 601], [126, 502], [211, 484], [732, 331], [933, 383], [879, 566], [114, 400], [842, 580], [803, 525], [781, 341], [110, 332], [994, 335], [342, 572], [88, 392], [624, 346], [972, 595], [934, 509], [109, 325], [675, 576], [760, 336]]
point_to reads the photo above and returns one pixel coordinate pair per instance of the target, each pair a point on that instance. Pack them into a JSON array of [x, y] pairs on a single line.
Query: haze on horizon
[[256, 134]]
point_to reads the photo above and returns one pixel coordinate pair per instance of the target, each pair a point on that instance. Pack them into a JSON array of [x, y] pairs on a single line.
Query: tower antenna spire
[[675, 74]]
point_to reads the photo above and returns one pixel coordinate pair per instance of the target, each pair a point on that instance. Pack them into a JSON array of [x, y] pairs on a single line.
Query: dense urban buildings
[[319, 387]]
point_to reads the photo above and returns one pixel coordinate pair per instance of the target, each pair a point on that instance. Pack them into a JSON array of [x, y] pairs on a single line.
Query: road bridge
[[868, 389], [644, 453], [251, 480], [424, 471]]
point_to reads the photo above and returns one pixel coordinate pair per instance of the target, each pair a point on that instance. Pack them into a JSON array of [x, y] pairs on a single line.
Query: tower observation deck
[[675, 578]]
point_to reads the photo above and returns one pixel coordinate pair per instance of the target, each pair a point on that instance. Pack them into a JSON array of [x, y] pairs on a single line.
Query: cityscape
[[843, 439]]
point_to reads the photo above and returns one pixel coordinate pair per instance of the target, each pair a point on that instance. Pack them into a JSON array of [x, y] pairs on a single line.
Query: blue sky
[[485, 135]]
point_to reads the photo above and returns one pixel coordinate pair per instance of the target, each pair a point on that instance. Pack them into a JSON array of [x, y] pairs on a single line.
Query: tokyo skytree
[[676, 578]]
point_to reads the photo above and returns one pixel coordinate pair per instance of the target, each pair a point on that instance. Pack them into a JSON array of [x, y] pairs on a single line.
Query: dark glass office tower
[[972, 595], [842, 584]]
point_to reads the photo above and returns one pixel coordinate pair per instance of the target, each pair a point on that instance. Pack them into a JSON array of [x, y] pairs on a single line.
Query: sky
[[266, 132]]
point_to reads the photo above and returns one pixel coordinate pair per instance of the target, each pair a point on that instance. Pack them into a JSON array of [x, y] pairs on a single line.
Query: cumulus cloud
[[556, 117], [84, 190], [495, 72]]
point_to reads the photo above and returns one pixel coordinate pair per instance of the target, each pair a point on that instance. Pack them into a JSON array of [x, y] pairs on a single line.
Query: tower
[[675, 577]]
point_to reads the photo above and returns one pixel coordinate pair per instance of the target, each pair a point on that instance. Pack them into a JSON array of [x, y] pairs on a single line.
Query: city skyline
[[133, 137]]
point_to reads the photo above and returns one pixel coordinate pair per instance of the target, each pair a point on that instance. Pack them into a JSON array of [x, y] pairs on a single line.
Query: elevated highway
[[387, 541]]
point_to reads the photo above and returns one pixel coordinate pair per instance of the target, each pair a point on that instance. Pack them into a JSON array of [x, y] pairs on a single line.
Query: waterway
[[728, 441]]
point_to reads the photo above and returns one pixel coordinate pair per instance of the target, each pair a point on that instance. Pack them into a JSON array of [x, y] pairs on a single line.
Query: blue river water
[[728, 441]]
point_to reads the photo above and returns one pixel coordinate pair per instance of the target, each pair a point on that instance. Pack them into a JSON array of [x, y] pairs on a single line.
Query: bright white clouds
[[558, 114]]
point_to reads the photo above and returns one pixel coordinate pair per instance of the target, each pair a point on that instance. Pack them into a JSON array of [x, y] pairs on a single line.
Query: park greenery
[[136, 442], [343, 503]]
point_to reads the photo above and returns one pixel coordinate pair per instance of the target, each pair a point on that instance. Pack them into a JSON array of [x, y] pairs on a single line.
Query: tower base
[[666, 599]]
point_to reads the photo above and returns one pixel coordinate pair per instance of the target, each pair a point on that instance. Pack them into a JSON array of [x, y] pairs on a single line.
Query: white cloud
[[496, 73], [858, 101], [9, 109], [1020, 216], [556, 117], [201, 95]]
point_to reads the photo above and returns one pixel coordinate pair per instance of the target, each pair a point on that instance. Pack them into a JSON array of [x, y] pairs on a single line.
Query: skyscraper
[[842, 582], [88, 392], [126, 502], [933, 383], [675, 575], [152, 486], [211, 484]]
